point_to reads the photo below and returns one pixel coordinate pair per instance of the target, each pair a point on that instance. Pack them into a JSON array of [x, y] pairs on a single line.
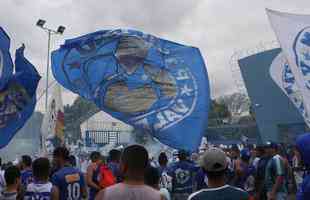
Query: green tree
[[218, 112], [77, 113]]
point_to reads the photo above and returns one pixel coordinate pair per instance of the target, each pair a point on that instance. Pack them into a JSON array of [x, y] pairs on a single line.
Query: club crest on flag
[[293, 33], [302, 54], [138, 78], [282, 74], [17, 90], [12, 101], [114, 90]]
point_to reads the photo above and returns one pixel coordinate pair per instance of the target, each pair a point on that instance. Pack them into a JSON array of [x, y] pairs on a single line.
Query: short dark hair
[[182, 155], [114, 155], [94, 156], [41, 168], [151, 176], [136, 158], [162, 158], [72, 160], [215, 175], [26, 160], [11, 174], [235, 148], [62, 152]]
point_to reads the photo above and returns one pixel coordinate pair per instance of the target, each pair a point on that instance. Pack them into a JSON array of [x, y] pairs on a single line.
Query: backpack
[[106, 177]]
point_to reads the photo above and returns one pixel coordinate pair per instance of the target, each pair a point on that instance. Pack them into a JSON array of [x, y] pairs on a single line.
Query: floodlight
[[41, 23], [61, 29]]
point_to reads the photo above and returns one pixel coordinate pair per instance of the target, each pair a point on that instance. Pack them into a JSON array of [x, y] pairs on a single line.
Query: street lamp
[[40, 23]]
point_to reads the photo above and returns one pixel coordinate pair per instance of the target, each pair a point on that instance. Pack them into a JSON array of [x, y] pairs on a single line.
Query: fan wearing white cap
[[214, 162]]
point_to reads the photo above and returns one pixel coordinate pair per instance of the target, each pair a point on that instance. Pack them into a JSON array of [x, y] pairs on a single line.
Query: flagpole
[[40, 23], [47, 68]]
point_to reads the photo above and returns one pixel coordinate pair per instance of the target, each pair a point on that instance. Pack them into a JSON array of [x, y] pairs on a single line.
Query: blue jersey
[[70, 182], [201, 180], [182, 174], [26, 177], [304, 189], [247, 171], [95, 178]]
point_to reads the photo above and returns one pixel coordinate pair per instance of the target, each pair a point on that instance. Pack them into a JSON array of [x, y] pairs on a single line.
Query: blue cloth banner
[[150, 83], [18, 96], [6, 65]]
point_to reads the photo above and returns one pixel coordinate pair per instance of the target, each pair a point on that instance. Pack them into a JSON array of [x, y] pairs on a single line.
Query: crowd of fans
[[265, 172]]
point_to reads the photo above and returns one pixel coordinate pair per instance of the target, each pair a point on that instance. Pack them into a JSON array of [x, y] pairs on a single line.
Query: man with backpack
[[92, 174], [98, 175], [113, 164]]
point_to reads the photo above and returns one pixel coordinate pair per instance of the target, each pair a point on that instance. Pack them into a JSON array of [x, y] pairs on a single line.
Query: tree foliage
[[218, 112], [76, 114]]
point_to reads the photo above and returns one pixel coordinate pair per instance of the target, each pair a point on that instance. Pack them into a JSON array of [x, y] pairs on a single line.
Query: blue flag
[[6, 65], [18, 96], [152, 84]]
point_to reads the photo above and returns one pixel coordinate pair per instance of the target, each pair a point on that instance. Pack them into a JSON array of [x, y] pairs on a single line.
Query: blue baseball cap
[[245, 154]]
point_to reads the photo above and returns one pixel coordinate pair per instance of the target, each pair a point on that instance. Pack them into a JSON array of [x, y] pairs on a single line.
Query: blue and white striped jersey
[[38, 191]]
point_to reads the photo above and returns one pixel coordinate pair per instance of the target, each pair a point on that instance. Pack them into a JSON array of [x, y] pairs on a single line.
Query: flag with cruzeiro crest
[[150, 83]]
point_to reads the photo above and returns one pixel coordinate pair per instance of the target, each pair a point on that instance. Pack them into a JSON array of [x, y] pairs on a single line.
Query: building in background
[[100, 132], [276, 116]]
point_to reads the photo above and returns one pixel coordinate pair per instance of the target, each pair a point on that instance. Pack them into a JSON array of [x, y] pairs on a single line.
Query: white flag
[[293, 33], [282, 75], [53, 121]]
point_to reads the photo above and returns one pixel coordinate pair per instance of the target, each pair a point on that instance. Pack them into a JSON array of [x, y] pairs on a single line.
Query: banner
[[53, 121], [6, 65], [150, 83], [283, 76], [18, 95], [293, 33]]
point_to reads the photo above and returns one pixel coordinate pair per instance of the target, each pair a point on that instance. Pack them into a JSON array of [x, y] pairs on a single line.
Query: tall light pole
[[40, 23]]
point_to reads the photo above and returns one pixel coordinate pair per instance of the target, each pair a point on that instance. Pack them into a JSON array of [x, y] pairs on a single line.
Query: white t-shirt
[[123, 191], [165, 193], [38, 191]]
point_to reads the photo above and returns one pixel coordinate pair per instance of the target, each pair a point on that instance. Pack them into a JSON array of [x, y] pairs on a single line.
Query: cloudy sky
[[218, 27]]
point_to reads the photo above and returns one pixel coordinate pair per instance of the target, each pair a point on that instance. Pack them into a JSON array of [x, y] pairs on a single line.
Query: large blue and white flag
[[293, 33], [283, 76], [18, 96], [153, 84]]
